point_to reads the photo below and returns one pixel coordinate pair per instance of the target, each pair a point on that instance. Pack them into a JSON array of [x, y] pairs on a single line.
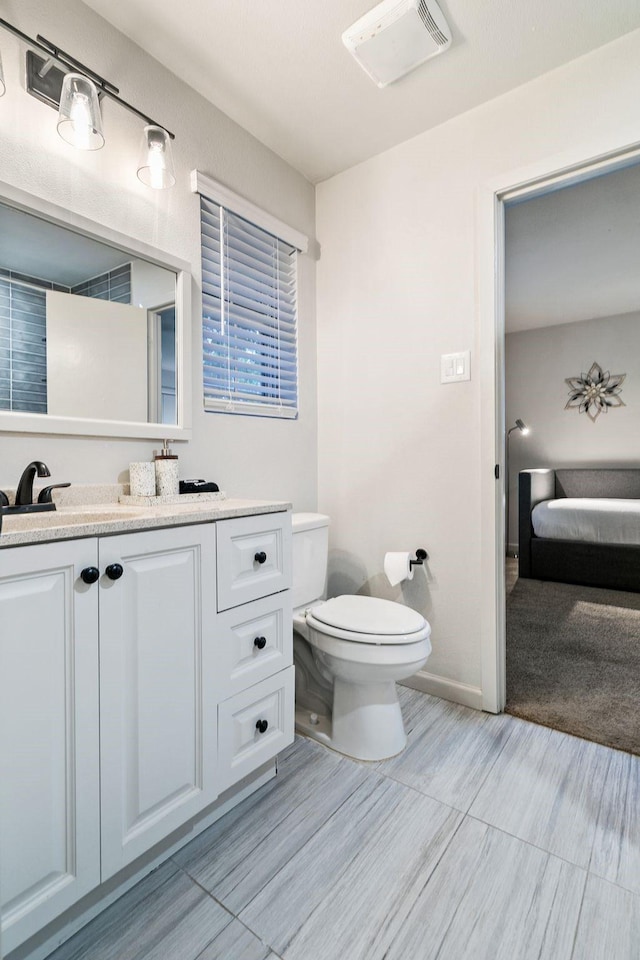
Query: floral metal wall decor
[[594, 392]]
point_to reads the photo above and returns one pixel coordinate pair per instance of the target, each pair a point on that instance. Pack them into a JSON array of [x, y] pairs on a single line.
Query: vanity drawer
[[254, 558], [253, 642], [254, 726]]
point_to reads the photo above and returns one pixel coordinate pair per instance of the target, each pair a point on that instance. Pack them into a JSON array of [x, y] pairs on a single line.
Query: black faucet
[[24, 493]]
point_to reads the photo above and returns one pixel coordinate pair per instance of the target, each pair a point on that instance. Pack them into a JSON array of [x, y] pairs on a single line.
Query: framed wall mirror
[[94, 327]]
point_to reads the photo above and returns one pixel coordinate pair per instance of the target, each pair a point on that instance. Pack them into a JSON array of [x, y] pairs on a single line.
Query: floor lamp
[[524, 430]]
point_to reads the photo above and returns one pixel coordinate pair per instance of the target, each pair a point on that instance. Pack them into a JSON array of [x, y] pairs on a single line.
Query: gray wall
[[248, 456], [537, 364]]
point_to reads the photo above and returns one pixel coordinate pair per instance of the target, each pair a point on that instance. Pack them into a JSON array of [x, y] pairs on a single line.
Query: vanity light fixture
[[79, 118], [74, 90], [155, 168]]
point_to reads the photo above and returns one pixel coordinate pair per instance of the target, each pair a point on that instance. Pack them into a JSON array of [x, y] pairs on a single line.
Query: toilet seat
[[368, 620]]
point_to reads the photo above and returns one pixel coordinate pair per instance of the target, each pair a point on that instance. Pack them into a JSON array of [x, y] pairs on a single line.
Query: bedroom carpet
[[573, 659]]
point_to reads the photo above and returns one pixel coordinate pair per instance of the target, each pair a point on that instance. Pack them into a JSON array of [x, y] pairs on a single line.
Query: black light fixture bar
[[104, 86], [68, 61]]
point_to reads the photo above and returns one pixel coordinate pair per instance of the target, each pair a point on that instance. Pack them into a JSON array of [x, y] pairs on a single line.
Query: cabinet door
[[158, 705], [49, 788]]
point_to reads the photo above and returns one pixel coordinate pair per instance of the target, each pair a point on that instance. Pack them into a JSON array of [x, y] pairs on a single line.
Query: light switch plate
[[455, 367]]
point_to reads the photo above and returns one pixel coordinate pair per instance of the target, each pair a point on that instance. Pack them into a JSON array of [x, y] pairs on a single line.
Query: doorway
[[572, 477], [496, 200], [161, 349]]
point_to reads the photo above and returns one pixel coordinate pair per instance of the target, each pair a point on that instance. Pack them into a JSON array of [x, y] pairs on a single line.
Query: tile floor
[[489, 837]]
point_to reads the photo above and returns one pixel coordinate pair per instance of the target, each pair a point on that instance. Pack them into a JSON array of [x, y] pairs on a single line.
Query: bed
[[580, 526]]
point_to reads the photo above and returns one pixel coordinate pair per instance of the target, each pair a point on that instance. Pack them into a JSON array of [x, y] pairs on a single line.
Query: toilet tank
[[310, 552]]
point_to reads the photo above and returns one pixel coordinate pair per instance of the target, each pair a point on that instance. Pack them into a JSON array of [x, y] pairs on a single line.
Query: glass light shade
[[3, 88], [79, 119], [155, 168]]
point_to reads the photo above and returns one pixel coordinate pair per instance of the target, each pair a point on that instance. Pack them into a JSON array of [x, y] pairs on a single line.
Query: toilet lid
[[369, 615]]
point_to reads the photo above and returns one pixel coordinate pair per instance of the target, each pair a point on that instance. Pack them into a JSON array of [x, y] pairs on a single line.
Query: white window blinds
[[249, 326]]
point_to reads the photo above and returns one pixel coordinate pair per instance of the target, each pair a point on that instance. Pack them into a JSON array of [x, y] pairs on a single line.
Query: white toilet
[[349, 652]]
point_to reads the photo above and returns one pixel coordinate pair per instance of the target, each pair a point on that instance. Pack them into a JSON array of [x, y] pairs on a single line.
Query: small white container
[[142, 479]]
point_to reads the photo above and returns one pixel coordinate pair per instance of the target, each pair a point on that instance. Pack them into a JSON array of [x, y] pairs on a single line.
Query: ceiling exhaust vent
[[397, 36]]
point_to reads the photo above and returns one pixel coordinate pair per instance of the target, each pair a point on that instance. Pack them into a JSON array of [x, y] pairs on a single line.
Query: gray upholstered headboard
[[621, 484]]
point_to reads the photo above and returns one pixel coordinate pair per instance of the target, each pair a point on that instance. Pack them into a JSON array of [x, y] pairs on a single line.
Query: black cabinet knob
[[114, 571], [260, 642], [260, 557], [261, 726], [90, 574]]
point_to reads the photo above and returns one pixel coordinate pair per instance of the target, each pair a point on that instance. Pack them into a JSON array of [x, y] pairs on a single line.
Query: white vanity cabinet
[[50, 778], [129, 703]]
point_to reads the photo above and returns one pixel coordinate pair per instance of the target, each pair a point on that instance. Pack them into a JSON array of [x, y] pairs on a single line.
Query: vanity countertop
[[68, 522]]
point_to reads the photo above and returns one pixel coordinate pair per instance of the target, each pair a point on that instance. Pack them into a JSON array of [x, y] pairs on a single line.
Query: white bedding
[[590, 520]]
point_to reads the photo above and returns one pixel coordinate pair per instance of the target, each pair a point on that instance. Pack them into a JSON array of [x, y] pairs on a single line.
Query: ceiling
[[574, 254], [37, 248], [280, 70]]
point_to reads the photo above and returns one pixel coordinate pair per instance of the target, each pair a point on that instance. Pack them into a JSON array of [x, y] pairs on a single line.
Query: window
[[249, 324]]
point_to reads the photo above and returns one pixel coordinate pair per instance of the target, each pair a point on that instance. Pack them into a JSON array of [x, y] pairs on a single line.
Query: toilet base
[[366, 723]]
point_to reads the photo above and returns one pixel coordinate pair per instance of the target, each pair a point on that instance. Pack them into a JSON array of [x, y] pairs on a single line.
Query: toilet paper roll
[[397, 567]]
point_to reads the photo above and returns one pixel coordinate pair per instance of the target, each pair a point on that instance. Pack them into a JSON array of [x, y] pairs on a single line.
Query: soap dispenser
[[166, 472]]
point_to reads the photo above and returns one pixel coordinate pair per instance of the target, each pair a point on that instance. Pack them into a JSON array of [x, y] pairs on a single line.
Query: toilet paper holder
[[421, 556]]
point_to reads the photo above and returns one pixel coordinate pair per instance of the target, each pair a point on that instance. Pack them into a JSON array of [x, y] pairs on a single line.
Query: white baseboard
[[446, 689]]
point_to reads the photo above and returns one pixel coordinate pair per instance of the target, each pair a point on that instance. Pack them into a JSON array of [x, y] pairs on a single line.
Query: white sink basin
[[21, 522]]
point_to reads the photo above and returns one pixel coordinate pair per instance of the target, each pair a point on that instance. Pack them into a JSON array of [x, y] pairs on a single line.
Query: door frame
[[524, 183]]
